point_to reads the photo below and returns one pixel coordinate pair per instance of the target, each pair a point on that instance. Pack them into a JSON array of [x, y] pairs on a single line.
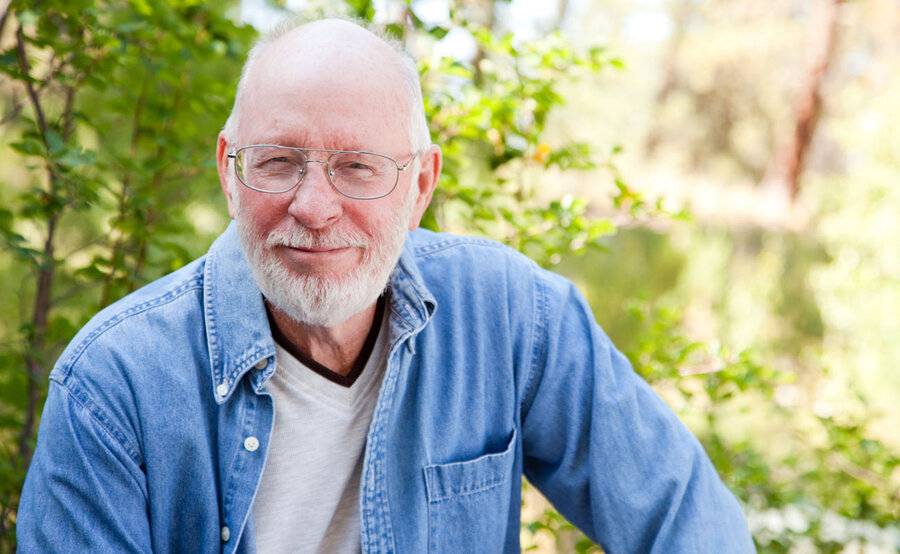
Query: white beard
[[325, 300]]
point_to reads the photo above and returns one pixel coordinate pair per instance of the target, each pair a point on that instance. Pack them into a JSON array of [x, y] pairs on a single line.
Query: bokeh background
[[719, 177]]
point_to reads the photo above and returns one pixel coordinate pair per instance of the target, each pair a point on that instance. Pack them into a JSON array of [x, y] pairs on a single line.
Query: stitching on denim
[[412, 282], [442, 488], [432, 521], [235, 465], [168, 297], [378, 462], [239, 368], [81, 397], [400, 319], [373, 471], [427, 250], [401, 316], [468, 491], [262, 463], [538, 346], [401, 310], [250, 414], [210, 318]]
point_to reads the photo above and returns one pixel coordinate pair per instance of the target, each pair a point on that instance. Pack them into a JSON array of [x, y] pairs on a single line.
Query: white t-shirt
[[308, 500]]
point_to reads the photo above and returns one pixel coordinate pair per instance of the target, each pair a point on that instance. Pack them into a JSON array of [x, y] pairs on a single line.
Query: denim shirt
[[496, 368]]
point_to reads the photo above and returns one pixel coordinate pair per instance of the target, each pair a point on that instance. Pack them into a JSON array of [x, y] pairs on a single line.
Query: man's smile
[[314, 255], [319, 249]]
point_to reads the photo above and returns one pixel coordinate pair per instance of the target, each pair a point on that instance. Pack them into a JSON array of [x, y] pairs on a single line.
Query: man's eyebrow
[[334, 142]]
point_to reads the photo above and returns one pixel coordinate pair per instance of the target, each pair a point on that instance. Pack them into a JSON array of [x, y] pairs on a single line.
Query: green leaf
[[363, 9], [143, 7], [438, 32], [29, 147], [54, 141]]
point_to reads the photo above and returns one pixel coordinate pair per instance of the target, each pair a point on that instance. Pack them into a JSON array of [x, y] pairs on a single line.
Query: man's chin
[[320, 299], [318, 278], [313, 312]]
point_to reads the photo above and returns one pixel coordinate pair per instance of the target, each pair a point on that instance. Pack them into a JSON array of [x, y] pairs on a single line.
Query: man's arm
[[85, 490], [607, 451]]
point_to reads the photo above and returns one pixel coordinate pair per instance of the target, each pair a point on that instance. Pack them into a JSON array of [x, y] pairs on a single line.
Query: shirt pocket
[[469, 502]]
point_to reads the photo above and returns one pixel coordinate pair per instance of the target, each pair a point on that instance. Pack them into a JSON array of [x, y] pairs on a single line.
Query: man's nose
[[316, 204]]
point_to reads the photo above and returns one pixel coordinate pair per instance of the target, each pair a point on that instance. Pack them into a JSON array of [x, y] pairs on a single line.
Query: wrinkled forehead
[[342, 80]]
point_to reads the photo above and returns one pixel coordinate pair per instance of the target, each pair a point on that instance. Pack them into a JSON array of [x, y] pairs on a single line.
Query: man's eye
[[278, 164], [274, 161], [355, 168]]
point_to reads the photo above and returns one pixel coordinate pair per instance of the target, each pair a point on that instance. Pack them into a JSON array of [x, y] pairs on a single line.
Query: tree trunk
[[35, 348], [488, 20], [562, 10], [36, 343], [670, 81], [790, 158]]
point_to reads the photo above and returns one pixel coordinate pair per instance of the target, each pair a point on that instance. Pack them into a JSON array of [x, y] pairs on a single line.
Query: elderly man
[[325, 381]]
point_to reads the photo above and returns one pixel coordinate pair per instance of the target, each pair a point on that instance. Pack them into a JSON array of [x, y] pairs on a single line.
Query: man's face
[[317, 255]]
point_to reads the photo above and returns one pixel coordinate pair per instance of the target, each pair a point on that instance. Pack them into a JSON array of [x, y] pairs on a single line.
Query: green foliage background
[[110, 112]]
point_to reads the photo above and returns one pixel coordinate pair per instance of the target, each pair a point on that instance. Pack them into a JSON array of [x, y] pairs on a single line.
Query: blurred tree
[[789, 158], [112, 106], [111, 110], [681, 13]]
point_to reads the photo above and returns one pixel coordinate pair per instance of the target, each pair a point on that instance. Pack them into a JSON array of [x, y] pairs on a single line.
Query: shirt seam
[[428, 250], [538, 346], [169, 296], [98, 415], [241, 366], [406, 315], [481, 486]]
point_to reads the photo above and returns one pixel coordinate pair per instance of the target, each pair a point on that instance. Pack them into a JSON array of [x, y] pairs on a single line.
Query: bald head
[[329, 68], [332, 43]]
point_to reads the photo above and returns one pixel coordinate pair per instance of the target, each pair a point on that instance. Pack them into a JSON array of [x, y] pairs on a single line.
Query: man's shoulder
[[425, 242], [478, 261], [133, 319], [444, 249]]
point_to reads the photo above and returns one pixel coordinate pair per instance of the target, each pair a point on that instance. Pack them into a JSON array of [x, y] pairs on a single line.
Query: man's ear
[[430, 163], [225, 176]]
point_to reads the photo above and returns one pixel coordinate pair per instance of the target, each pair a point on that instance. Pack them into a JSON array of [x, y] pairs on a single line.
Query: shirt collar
[[411, 300], [237, 329]]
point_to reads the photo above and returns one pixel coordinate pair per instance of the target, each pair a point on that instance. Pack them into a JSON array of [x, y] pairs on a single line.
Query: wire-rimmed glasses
[[356, 174]]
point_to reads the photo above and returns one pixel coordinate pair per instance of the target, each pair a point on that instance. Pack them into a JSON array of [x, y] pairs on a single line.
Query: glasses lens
[[270, 168], [361, 175]]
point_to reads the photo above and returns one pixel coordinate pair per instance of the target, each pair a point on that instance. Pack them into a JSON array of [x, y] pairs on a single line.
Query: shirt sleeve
[[85, 490], [608, 452]]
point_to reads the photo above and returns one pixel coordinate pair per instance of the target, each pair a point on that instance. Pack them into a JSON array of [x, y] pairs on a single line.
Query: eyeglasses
[[354, 173]]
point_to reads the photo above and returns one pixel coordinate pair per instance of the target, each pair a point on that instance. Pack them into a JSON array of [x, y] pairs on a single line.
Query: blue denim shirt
[[496, 369]]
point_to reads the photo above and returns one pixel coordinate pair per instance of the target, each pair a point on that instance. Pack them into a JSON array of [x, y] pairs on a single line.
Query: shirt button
[[251, 444], [226, 533], [262, 363], [222, 389]]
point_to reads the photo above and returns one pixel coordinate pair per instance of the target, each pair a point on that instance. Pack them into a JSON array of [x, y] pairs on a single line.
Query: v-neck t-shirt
[[308, 499]]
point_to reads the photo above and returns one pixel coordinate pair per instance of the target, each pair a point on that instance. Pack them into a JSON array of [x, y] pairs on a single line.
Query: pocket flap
[[445, 481]]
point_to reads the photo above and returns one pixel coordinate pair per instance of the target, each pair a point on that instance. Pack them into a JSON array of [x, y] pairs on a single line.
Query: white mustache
[[300, 237]]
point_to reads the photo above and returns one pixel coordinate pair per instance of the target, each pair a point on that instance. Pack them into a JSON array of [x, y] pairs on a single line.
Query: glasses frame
[[328, 172]]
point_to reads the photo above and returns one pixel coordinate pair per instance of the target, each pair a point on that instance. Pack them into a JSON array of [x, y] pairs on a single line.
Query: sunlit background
[[720, 178]]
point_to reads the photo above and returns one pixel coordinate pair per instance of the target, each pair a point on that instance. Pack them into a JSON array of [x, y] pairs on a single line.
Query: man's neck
[[336, 348]]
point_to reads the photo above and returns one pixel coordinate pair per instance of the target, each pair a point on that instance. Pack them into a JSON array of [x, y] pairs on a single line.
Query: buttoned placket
[[249, 460], [247, 413], [375, 518]]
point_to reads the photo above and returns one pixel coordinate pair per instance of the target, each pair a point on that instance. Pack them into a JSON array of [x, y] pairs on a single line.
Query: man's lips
[[316, 254], [318, 249]]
